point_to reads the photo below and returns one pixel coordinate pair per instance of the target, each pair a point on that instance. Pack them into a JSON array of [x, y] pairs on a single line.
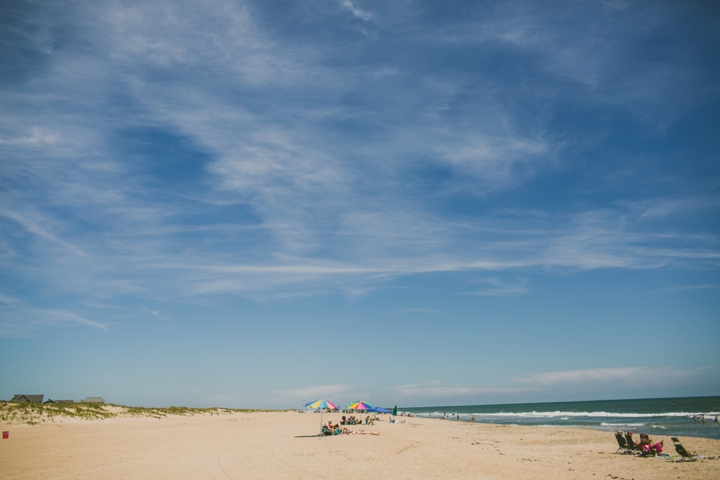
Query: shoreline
[[285, 445], [676, 416], [585, 427]]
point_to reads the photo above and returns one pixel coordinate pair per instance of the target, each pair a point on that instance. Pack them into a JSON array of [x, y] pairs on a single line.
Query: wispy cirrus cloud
[[562, 383], [356, 11], [36, 138], [626, 376], [263, 120], [19, 316], [707, 286], [500, 288], [439, 390], [32, 226], [295, 396], [154, 313]]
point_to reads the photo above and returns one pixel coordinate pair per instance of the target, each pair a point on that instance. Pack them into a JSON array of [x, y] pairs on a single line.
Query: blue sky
[[262, 203]]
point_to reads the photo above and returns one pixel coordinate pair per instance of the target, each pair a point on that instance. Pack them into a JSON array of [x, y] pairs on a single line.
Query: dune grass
[[35, 413]]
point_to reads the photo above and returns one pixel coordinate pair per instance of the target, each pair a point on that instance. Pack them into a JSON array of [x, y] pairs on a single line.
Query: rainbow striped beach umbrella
[[360, 405], [321, 404]]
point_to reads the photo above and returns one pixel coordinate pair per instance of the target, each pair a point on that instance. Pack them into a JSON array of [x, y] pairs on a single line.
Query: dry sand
[[280, 445]]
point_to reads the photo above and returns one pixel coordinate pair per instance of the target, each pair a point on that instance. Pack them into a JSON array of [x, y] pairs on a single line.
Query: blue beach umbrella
[[379, 410]]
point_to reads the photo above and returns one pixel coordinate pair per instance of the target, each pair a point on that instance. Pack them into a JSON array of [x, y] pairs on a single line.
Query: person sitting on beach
[[652, 448], [329, 429], [647, 446], [632, 444], [332, 425], [369, 421], [343, 420]]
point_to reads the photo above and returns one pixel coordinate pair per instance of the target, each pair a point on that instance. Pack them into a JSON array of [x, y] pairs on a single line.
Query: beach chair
[[631, 445], [329, 432], [681, 450], [622, 443]]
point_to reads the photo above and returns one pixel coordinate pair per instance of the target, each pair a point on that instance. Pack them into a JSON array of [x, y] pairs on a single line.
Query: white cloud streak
[[300, 396], [329, 208], [562, 383], [17, 316], [628, 376], [356, 11], [439, 390]]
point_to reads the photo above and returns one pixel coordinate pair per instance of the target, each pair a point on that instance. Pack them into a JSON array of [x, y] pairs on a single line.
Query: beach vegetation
[[35, 413]]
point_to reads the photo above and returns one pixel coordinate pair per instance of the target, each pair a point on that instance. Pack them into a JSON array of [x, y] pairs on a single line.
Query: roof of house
[[21, 397]]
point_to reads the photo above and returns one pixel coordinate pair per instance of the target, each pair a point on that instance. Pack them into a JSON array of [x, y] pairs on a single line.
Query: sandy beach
[[282, 445]]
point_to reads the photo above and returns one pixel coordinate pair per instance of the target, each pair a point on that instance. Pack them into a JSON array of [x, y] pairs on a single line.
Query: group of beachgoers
[[646, 446], [450, 416], [701, 418], [351, 420], [330, 428]]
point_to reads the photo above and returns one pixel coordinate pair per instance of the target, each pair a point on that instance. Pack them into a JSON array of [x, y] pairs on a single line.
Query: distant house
[[93, 400], [50, 400], [23, 398]]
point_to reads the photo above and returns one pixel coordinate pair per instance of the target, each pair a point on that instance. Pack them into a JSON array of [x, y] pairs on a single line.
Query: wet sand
[[282, 445]]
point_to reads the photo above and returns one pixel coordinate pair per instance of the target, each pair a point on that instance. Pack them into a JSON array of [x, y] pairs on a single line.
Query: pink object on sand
[[6, 434]]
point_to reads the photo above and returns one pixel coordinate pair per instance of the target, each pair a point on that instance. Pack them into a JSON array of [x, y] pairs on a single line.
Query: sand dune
[[281, 445]]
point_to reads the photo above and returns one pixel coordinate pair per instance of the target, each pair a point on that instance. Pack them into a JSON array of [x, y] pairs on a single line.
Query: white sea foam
[[665, 420], [607, 424], [586, 414], [561, 414]]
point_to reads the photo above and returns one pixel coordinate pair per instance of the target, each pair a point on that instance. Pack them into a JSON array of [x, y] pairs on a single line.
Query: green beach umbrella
[[395, 411]]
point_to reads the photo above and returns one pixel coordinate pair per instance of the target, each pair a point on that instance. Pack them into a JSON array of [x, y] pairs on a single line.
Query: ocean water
[[661, 416]]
